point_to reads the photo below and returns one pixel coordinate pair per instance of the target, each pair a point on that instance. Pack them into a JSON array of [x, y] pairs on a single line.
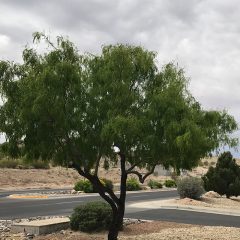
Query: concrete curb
[[39, 227], [28, 196]]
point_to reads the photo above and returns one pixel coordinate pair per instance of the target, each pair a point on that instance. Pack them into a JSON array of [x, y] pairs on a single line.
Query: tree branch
[[112, 200], [132, 167], [142, 177], [97, 165], [95, 181]]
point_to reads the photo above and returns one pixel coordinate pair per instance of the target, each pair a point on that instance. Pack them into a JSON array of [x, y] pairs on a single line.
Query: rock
[[73, 191], [30, 236], [212, 194]]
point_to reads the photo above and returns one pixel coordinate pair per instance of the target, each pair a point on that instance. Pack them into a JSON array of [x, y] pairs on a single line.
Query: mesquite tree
[[74, 109]]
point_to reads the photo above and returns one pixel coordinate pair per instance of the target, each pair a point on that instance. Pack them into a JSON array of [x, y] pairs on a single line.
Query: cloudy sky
[[202, 36]]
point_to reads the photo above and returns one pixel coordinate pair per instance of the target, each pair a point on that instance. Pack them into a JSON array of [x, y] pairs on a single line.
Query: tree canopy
[[74, 108]]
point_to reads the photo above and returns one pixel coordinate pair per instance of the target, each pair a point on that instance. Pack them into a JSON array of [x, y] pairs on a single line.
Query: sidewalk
[[168, 204]]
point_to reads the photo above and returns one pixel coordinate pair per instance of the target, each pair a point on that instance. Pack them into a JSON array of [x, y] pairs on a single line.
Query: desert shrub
[[190, 187], [205, 163], [9, 163], [87, 187], [200, 163], [225, 177], [170, 183], [83, 185], [40, 164], [154, 184], [133, 185], [93, 216]]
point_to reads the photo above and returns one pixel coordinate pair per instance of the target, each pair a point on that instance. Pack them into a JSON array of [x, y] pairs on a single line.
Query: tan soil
[[55, 177]]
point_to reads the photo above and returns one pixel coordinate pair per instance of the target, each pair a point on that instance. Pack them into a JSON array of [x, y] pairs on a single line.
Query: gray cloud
[[203, 36]]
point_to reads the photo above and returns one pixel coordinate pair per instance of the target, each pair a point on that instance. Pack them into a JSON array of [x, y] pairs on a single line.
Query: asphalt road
[[25, 208], [21, 208]]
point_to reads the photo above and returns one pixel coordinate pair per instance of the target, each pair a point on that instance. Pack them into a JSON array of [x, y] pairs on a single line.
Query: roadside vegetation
[[8, 162], [153, 184], [86, 186], [190, 187], [170, 183], [91, 217]]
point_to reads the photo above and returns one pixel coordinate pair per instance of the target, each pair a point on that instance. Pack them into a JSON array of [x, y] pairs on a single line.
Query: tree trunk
[[117, 223]]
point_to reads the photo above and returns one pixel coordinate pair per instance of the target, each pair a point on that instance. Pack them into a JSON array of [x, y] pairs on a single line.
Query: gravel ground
[[194, 233], [155, 230]]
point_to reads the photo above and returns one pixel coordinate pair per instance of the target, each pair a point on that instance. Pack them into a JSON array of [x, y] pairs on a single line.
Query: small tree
[[73, 108], [225, 177]]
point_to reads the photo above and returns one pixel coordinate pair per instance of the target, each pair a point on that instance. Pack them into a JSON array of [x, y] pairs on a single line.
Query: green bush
[[133, 185], [190, 187], [93, 216], [84, 185], [154, 184], [170, 183], [225, 177], [87, 187]]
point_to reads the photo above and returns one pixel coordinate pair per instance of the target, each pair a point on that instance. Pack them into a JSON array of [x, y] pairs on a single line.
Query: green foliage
[[84, 185], [91, 217], [133, 185], [154, 184], [170, 183], [225, 177], [190, 187]]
